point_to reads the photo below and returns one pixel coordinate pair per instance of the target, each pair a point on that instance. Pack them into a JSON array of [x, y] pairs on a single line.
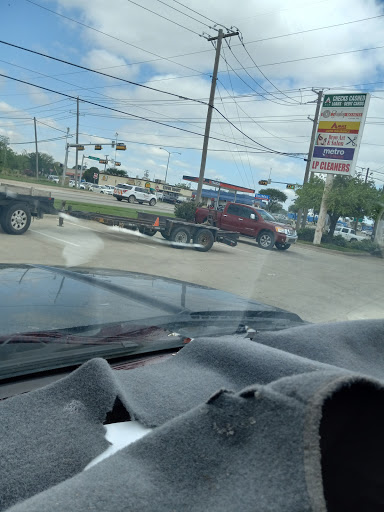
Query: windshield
[[266, 215], [179, 113]]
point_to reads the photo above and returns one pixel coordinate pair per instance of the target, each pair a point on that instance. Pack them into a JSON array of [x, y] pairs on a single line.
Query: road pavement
[[319, 285]]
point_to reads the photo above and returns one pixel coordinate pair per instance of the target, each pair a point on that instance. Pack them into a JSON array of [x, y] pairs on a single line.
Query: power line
[[185, 14], [165, 18], [202, 15], [33, 142], [268, 80], [108, 35], [99, 72], [50, 126]]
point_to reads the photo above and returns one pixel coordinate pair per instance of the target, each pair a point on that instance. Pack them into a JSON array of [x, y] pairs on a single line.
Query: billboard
[[339, 132]]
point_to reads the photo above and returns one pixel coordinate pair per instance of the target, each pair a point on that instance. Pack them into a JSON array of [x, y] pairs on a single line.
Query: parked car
[[132, 193], [251, 222], [94, 187], [107, 189], [349, 234]]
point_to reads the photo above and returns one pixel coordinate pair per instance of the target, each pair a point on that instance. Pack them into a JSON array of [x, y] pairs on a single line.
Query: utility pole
[[77, 140], [366, 175], [81, 169], [66, 160], [116, 134], [37, 153], [169, 155], [105, 165], [302, 215], [219, 39]]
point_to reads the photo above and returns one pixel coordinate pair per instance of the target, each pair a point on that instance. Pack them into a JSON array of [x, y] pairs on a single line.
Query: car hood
[[36, 298]]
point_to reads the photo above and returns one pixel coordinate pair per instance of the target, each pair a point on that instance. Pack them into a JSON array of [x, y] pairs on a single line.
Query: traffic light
[[292, 187], [263, 182], [103, 161], [117, 164], [98, 146], [120, 146], [80, 148]]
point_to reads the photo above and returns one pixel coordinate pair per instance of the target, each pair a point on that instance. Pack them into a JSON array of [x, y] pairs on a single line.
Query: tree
[[185, 186], [349, 197], [88, 175], [276, 197], [146, 175], [115, 172]]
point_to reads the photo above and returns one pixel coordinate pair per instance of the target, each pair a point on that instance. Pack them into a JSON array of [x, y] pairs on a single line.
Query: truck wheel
[[131, 199], [16, 219], [152, 202], [203, 237], [282, 247], [180, 235], [266, 240], [147, 231], [119, 198]]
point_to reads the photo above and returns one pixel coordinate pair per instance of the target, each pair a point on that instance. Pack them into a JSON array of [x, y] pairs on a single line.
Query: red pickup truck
[[251, 222]]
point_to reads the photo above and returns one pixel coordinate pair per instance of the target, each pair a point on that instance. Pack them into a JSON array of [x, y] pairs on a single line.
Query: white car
[[132, 193], [107, 189], [95, 188]]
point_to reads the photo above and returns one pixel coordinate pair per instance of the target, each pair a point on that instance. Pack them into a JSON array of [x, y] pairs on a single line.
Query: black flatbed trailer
[[19, 204], [177, 231]]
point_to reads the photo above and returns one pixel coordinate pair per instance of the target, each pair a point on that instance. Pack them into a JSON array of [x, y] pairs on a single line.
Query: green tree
[[185, 186], [276, 197], [46, 163], [349, 197], [88, 174]]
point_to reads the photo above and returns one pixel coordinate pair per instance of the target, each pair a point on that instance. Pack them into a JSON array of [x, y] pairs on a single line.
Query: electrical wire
[[268, 80], [202, 15], [33, 142], [108, 35], [165, 18], [98, 72], [268, 150], [185, 14]]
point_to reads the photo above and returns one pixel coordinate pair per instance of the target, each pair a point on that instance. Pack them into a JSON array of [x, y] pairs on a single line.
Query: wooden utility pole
[[219, 39], [36, 151], [302, 214], [77, 141]]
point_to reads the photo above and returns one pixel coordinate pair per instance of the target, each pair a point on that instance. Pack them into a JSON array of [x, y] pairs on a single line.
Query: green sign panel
[[344, 100], [93, 158]]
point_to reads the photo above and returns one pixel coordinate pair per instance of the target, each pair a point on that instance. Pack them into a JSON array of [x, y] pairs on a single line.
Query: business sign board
[[263, 197], [339, 132]]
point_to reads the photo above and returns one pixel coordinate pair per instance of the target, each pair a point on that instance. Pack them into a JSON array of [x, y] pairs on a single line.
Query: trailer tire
[[131, 199], [203, 237], [180, 235], [119, 198], [147, 231], [282, 247], [164, 235], [16, 219]]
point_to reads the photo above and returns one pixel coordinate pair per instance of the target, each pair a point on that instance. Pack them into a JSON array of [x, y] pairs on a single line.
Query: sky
[[265, 95]]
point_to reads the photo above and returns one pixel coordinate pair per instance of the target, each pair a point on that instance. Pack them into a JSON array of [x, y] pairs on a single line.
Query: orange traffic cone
[[157, 222]]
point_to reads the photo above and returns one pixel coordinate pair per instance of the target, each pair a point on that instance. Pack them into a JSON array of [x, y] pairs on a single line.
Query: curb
[[333, 251]]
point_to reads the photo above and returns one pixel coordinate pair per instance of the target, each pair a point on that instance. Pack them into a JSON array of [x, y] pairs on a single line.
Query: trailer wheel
[[164, 235], [119, 198], [131, 199], [16, 219], [180, 235], [147, 231], [203, 237]]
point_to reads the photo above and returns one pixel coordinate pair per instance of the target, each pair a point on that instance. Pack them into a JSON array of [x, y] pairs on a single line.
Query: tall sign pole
[[219, 39]]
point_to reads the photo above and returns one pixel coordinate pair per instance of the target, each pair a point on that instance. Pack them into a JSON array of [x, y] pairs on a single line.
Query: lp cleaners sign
[[339, 133]]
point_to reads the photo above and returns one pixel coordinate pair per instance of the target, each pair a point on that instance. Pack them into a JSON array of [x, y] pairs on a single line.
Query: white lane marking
[[54, 238]]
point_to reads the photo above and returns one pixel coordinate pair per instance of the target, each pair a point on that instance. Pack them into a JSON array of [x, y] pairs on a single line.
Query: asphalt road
[[85, 196], [318, 285]]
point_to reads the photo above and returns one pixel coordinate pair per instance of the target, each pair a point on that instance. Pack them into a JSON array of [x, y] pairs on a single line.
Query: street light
[[169, 154]]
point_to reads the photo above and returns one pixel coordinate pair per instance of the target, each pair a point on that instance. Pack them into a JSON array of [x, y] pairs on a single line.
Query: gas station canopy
[[219, 184]]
